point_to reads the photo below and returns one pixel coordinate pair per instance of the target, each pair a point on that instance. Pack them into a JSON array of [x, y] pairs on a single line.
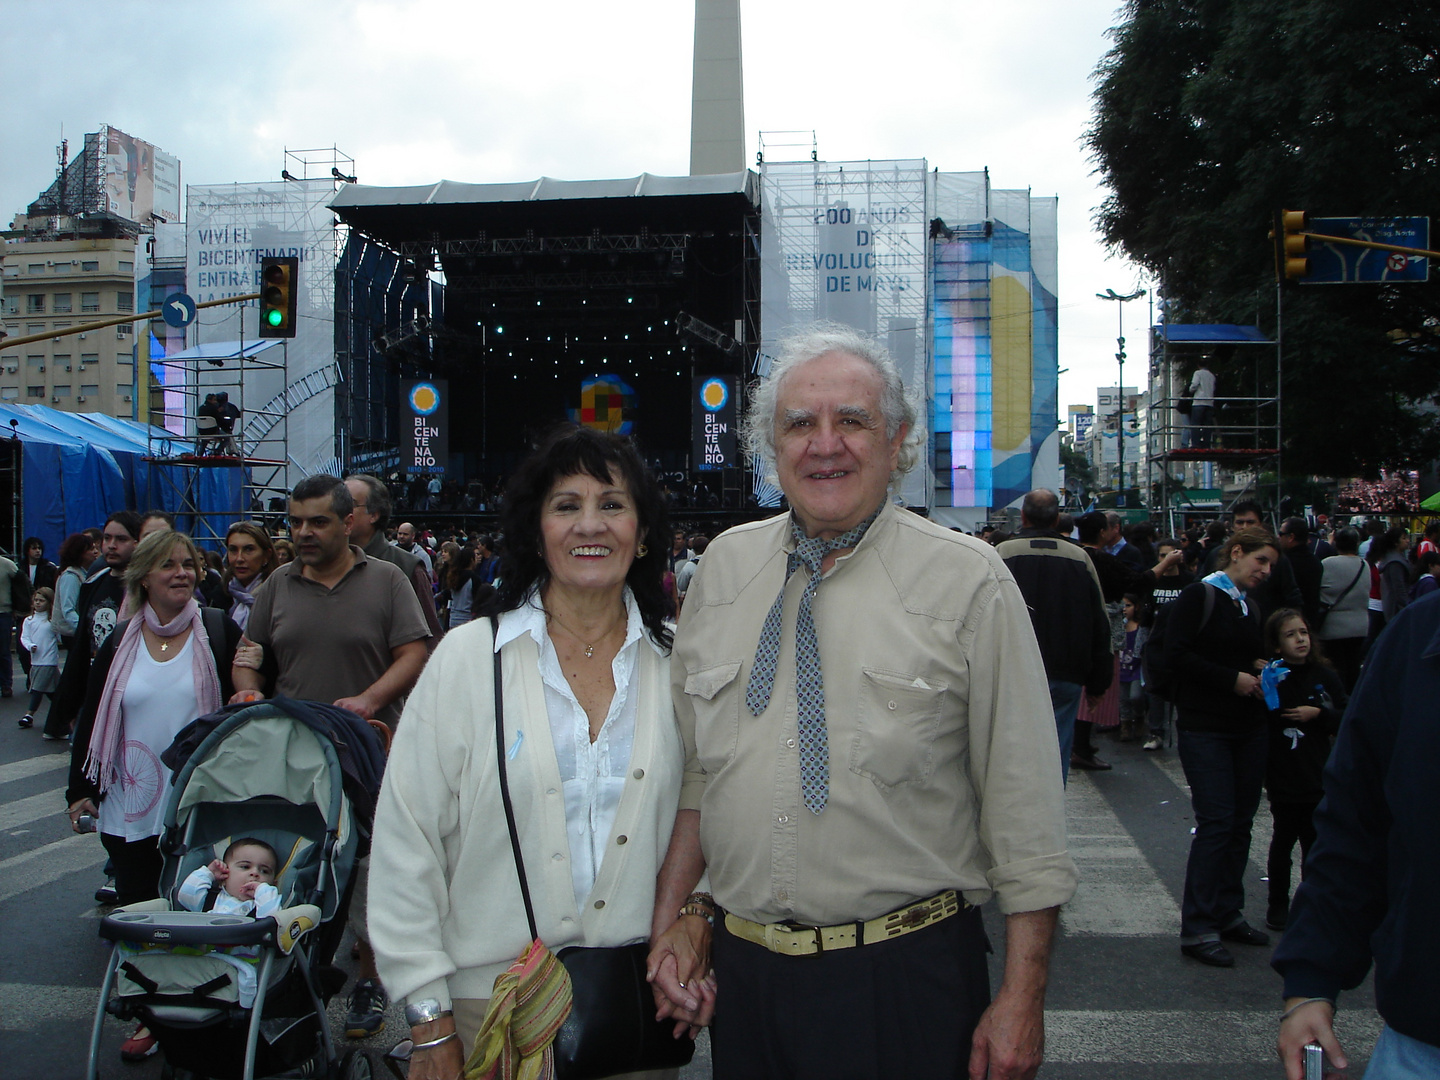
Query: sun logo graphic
[[714, 394], [424, 398], [606, 404]]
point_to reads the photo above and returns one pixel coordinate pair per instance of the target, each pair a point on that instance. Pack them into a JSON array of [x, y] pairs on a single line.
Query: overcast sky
[[481, 91]]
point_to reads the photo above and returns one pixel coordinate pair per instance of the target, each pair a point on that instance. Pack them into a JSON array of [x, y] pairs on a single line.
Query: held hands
[[443, 1062], [679, 974], [1301, 714]]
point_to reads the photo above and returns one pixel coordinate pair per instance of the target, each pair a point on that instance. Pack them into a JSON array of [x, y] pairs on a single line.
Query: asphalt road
[[1123, 1003]]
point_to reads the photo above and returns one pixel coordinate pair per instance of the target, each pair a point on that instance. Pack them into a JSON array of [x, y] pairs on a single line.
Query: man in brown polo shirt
[[337, 626], [871, 753]]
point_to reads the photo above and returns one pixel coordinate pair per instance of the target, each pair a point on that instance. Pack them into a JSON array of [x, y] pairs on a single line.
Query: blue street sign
[[1332, 264], [178, 310]]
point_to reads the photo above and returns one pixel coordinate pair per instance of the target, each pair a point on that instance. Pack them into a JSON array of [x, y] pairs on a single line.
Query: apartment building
[[50, 285]]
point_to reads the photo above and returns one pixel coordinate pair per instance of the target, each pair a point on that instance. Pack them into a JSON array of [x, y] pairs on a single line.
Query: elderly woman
[[594, 756], [1217, 648], [155, 673], [249, 559]]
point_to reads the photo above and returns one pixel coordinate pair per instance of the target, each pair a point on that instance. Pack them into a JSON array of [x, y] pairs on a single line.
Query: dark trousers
[[7, 629], [1293, 821], [136, 865], [1226, 773], [1346, 654], [904, 1008]]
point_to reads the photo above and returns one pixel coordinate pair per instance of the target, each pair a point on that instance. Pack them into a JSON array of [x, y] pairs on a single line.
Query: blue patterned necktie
[[809, 686]]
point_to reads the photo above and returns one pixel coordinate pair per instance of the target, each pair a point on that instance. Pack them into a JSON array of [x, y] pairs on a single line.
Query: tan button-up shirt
[[944, 763]]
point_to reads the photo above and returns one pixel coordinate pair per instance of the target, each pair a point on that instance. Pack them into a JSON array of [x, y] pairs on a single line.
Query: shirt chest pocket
[[898, 721], [714, 695]]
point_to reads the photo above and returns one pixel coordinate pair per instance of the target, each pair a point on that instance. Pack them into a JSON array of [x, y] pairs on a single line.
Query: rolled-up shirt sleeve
[[1014, 756]]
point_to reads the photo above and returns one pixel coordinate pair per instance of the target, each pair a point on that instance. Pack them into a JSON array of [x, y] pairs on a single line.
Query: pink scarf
[[103, 760]]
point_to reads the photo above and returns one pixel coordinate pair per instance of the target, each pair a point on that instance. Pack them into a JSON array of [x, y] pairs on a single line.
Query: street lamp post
[[1111, 294]]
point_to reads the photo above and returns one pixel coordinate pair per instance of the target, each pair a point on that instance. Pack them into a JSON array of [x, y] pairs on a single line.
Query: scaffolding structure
[[180, 456], [1245, 433]]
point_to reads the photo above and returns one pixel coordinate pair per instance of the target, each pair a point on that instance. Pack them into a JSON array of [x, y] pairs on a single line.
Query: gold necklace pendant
[[589, 650], [164, 647]]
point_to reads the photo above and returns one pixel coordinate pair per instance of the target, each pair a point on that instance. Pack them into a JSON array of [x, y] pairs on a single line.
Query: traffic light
[[279, 282], [1295, 245]]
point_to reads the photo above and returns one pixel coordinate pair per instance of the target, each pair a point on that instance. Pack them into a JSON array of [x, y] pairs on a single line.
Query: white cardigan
[[445, 912]]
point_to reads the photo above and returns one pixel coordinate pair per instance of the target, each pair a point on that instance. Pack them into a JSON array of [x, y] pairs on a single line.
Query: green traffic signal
[[279, 285]]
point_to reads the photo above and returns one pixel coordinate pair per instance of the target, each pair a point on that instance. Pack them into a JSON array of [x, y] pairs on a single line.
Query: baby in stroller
[[240, 883]]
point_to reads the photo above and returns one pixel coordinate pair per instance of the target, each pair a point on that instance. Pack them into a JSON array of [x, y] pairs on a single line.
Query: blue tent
[[80, 467]]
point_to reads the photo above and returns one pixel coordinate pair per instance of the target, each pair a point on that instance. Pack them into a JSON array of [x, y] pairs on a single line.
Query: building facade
[[55, 284]]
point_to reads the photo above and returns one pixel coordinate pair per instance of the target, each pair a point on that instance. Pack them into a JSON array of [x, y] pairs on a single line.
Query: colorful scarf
[[102, 763], [244, 600], [530, 1001], [1221, 581]]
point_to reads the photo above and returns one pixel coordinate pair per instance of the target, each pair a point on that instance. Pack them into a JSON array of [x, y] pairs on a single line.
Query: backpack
[[1158, 672]]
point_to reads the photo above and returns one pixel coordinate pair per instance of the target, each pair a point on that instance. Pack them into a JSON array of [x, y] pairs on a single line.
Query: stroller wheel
[[356, 1065]]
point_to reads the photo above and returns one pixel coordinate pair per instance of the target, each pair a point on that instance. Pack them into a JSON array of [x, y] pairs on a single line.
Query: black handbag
[[611, 1027], [1184, 405]]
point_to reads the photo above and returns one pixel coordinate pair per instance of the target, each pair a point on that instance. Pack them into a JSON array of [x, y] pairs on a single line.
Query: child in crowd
[[38, 636], [1427, 578], [1133, 706], [242, 883], [1312, 700]]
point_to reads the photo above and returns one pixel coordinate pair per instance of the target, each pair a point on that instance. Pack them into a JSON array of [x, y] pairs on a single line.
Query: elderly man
[[870, 753], [367, 532]]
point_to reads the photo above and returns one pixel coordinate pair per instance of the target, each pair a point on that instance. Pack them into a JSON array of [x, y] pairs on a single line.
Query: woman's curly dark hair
[[569, 450]]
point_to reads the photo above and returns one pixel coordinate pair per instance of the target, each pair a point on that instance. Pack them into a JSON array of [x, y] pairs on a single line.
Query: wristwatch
[[424, 1011]]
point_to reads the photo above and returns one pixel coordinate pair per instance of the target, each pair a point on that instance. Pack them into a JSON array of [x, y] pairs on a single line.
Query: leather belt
[[786, 939]]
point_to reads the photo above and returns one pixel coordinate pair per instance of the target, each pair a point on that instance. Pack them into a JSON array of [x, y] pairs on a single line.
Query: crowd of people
[[788, 763]]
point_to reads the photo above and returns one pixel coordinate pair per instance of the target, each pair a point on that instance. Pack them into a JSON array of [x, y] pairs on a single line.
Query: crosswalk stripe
[[1120, 894], [20, 770], [1176, 1037], [42, 865], [35, 808], [23, 1006]]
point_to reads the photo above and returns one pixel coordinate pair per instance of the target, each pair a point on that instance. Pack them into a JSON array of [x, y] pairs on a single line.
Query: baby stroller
[[258, 771]]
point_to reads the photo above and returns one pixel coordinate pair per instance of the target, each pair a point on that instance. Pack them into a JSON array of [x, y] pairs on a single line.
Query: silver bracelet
[[434, 1042], [1301, 1004]]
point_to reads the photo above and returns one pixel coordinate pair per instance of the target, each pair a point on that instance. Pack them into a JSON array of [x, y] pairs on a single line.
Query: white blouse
[[593, 774]]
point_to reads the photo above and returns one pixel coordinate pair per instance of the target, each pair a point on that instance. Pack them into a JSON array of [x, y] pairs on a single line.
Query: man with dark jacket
[[1371, 876], [1294, 537], [1067, 610]]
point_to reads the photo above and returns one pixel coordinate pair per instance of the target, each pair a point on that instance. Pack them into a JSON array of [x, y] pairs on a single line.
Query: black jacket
[[1371, 877], [1308, 572], [1066, 608], [1208, 658], [1295, 763]]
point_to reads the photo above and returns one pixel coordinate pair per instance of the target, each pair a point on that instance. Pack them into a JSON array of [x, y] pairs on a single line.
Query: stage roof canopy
[[394, 213]]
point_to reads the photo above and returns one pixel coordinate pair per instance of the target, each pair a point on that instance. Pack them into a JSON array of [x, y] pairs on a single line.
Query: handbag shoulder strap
[[505, 782]]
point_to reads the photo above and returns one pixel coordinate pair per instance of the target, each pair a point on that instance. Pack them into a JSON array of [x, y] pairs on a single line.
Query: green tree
[[1211, 115]]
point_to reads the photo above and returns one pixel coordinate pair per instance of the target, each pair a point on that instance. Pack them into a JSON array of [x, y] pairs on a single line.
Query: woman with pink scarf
[[155, 673]]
